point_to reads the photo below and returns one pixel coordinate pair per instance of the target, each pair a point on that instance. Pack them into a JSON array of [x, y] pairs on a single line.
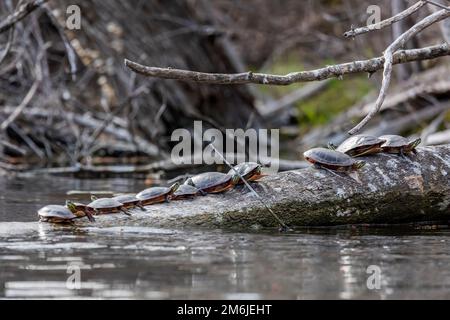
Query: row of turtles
[[201, 184], [340, 159]]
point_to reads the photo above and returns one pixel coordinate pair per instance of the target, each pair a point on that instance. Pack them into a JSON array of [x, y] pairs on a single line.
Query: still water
[[36, 260]]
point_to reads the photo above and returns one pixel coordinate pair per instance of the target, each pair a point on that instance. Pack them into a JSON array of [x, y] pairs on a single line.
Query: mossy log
[[392, 190]]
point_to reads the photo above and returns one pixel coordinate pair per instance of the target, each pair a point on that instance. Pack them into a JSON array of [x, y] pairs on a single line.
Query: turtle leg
[[140, 206], [125, 211], [89, 215], [203, 193], [336, 174], [402, 154]]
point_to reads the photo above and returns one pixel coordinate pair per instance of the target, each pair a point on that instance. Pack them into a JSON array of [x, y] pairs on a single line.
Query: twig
[[8, 45], [11, 146], [437, 4], [12, 117], [108, 119], [389, 61], [385, 23], [23, 11], [369, 66]]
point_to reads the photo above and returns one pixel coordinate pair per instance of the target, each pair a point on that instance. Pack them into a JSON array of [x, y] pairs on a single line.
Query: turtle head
[[174, 187], [71, 206], [332, 146], [93, 198], [359, 164], [414, 144], [79, 213], [235, 179]]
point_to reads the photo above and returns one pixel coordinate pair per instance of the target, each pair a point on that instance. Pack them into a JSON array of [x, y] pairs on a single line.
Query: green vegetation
[[318, 110], [338, 96]]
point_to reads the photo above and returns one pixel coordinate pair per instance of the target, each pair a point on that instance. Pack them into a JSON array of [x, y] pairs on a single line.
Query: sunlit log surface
[[393, 190]]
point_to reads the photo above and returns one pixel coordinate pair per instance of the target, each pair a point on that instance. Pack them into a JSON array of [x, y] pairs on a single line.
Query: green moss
[[338, 96]]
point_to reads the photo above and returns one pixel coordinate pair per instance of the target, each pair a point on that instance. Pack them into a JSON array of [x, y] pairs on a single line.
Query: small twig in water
[[284, 226]]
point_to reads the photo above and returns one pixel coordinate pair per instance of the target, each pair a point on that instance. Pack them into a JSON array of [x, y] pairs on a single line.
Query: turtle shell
[[126, 199], [185, 190], [154, 192], [56, 211], [359, 141], [245, 168], [329, 157], [209, 180], [394, 141], [105, 203]]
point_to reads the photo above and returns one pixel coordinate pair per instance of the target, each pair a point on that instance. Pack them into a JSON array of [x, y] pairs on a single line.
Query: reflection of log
[[393, 190]]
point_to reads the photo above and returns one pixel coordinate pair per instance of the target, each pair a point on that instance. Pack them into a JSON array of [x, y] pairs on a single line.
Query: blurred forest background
[[68, 102]]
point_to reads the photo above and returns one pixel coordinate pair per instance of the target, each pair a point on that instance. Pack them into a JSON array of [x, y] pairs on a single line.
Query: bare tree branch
[[21, 107], [7, 49], [369, 66], [385, 23], [389, 61], [434, 3], [23, 11]]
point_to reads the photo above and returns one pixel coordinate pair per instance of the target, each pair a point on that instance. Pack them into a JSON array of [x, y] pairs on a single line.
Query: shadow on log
[[393, 190]]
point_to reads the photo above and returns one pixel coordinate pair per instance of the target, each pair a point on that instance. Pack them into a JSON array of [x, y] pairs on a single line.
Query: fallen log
[[392, 190]]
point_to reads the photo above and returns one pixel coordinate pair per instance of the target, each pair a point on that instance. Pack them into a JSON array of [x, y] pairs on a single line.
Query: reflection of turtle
[[58, 214], [333, 160], [213, 182], [156, 194], [399, 145], [250, 171], [129, 201], [106, 205], [185, 191], [359, 145]]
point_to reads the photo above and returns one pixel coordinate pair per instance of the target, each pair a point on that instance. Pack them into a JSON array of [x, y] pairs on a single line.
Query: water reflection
[[154, 263]]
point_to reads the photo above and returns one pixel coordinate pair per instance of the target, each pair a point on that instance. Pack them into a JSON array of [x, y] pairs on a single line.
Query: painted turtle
[[129, 201], [79, 209], [58, 214], [213, 182], [333, 160], [359, 145], [399, 145], [106, 205], [185, 191], [156, 194], [250, 171]]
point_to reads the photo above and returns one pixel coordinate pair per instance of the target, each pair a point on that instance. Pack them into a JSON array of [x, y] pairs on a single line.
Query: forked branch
[[339, 70]]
